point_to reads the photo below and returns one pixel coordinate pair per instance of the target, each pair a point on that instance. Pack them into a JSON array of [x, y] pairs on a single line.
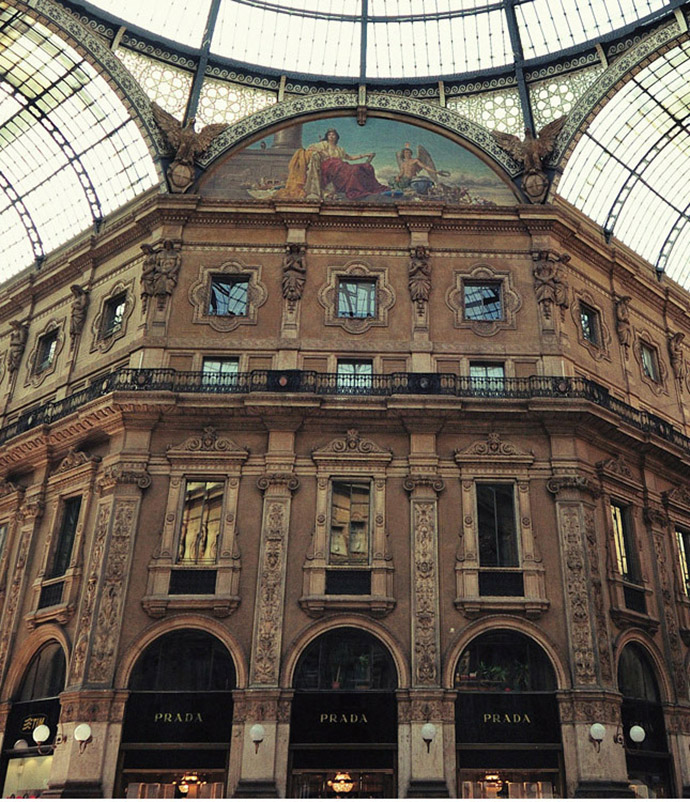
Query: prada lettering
[[343, 718], [507, 718], [177, 718]]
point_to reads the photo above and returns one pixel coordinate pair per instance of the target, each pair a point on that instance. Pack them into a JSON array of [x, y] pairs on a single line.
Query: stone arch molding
[[377, 102], [656, 658], [25, 654], [208, 625], [492, 623], [308, 636]]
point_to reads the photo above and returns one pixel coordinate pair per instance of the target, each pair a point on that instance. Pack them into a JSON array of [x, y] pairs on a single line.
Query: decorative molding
[[294, 273], [643, 337], [33, 378], [75, 459], [207, 443], [14, 595], [422, 481], [511, 302], [675, 353], [124, 473], [678, 496], [159, 272], [200, 293], [550, 287], [425, 624], [667, 606], [352, 445], [603, 640], [573, 482], [78, 309], [328, 296], [623, 325], [493, 448], [615, 467], [17, 346], [598, 351], [272, 480], [419, 278]]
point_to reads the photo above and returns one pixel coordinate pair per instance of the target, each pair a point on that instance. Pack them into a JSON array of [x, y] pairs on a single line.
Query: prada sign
[[178, 717], [344, 717], [507, 718]]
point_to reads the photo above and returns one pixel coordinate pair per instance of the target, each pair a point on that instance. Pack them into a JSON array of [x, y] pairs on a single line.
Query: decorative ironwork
[[308, 381]]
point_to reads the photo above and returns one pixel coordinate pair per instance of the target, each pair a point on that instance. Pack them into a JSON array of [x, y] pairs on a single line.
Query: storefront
[[343, 728], [508, 736], [32, 725], [644, 733], [178, 722]]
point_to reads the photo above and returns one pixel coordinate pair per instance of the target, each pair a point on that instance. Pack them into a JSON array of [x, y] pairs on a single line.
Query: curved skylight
[[630, 171], [69, 151], [380, 39]]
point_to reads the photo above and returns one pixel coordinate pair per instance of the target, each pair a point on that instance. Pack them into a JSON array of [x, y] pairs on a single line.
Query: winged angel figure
[[187, 144], [531, 152], [409, 167]]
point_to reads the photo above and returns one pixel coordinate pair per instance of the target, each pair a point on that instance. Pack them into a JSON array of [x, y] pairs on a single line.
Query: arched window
[[504, 661], [636, 678], [184, 660], [346, 659], [45, 676]]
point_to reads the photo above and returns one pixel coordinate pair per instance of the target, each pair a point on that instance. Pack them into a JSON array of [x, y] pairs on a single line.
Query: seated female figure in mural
[[313, 169]]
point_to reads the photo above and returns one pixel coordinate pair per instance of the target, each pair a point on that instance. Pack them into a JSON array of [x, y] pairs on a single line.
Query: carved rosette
[[577, 601], [425, 658], [111, 597], [90, 593]]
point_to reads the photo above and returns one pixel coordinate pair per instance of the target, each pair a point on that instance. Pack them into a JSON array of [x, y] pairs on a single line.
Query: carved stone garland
[[268, 616]]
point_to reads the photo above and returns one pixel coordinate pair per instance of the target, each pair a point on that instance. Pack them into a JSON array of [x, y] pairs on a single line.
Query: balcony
[[330, 384]]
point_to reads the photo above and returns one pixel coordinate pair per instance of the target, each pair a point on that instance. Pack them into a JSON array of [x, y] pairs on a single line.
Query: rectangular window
[[201, 516], [220, 371], [229, 296], [349, 542], [354, 375], [65, 540], [589, 320], [626, 554], [482, 300], [113, 315], [356, 298], [3, 538], [47, 345], [496, 526], [487, 377], [650, 363], [683, 538]]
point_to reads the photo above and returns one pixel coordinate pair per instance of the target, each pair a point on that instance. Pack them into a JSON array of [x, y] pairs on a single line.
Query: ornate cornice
[[430, 481], [493, 448], [75, 459], [209, 442], [125, 473], [275, 480], [351, 445]]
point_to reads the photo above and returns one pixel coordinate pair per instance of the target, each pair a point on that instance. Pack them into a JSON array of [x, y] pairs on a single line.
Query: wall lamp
[[596, 734], [40, 735], [428, 734], [257, 733], [82, 735], [636, 733]]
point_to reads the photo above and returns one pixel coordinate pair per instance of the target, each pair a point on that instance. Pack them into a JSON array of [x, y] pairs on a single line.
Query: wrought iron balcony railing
[[310, 382]]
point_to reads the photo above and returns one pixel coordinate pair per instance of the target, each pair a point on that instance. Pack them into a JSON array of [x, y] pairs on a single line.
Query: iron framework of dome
[[75, 81]]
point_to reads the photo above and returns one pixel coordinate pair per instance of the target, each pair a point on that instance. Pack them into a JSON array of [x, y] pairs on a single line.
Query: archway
[[343, 728], [28, 750], [644, 732], [508, 735], [178, 721]]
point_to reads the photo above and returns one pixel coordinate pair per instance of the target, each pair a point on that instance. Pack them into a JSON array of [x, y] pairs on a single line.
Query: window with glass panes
[[113, 315], [589, 321], [496, 526], [65, 539], [350, 506], [201, 516], [482, 300], [220, 370], [354, 375], [683, 538], [626, 554], [229, 296], [487, 376], [649, 359], [356, 298], [47, 346], [3, 538]]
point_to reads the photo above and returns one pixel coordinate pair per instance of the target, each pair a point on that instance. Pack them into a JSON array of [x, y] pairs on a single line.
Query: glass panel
[[496, 526], [27, 777], [590, 323], [45, 676], [354, 376], [683, 539], [636, 678], [3, 538], [483, 301], [46, 351], [649, 364], [349, 523], [356, 298], [626, 556], [487, 377], [65, 541], [228, 296], [114, 315], [203, 504], [221, 371]]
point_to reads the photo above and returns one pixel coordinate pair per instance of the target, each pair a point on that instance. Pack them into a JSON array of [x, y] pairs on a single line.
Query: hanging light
[[187, 779], [342, 783]]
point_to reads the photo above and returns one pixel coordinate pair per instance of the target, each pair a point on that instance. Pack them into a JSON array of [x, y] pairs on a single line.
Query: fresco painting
[[332, 160]]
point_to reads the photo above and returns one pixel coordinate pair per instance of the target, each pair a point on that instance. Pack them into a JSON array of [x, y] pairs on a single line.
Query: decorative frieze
[[600, 628], [425, 636]]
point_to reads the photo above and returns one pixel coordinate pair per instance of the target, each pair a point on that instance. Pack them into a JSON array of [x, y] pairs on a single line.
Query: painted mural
[[384, 161]]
